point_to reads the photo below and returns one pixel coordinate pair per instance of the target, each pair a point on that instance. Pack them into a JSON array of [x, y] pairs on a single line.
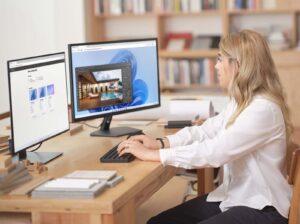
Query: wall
[[34, 27]]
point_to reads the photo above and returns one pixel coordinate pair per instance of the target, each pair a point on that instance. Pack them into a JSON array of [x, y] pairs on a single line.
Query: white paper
[[92, 174], [71, 183], [191, 108], [219, 103]]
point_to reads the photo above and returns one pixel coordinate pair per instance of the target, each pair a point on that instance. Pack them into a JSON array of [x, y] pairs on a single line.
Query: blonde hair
[[256, 73]]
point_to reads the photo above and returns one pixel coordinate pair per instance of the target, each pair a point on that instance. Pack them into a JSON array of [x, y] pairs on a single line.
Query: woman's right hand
[[147, 141]]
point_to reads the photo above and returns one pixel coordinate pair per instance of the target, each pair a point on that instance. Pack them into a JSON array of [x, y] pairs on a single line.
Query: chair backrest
[[293, 162]]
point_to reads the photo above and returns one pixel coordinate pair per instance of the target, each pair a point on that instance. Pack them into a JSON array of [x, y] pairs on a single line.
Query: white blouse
[[252, 151]]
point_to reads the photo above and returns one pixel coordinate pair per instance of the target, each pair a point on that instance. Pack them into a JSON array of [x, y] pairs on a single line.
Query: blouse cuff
[[174, 141], [166, 156]]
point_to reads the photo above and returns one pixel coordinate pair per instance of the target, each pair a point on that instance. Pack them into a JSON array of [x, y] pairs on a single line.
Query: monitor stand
[[42, 157], [106, 131]]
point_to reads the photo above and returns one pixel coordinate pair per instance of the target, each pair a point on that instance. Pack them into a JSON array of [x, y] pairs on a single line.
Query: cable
[[91, 126], [37, 147]]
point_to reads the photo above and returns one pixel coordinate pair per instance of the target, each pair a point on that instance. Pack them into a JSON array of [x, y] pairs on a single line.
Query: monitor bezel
[[89, 117], [12, 145]]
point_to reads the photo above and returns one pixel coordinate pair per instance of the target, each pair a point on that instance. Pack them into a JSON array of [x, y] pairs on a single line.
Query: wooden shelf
[[176, 87], [125, 15], [160, 14], [212, 12], [258, 11], [190, 54]]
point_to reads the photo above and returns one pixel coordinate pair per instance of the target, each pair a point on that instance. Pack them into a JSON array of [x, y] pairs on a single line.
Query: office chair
[[192, 181], [293, 161], [191, 187]]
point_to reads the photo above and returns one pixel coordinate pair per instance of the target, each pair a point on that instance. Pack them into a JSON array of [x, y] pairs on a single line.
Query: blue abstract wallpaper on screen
[[144, 73]]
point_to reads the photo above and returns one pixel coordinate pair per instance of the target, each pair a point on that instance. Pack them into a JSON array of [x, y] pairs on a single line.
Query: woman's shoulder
[[263, 101], [264, 106]]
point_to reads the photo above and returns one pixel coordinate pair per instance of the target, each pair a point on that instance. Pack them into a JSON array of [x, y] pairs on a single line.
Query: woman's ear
[[238, 64], [236, 67]]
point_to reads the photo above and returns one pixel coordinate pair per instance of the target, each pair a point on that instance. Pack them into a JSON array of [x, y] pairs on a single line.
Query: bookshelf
[[168, 16]]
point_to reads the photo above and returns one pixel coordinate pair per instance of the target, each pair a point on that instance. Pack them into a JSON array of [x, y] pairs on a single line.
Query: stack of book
[[117, 7], [12, 175], [78, 184], [186, 5], [178, 41], [187, 72], [242, 4], [4, 144]]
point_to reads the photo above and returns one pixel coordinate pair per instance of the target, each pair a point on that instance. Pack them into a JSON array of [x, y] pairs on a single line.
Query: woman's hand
[[148, 142], [139, 150]]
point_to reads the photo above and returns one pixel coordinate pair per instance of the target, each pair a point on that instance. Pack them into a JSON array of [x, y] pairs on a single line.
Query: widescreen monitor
[[110, 78], [38, 103]]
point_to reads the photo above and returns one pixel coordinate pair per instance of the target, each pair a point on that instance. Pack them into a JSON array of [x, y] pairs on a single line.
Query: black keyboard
[[112, 156]]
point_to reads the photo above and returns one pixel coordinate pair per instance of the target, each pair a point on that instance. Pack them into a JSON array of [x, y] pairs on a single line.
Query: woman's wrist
[[161, 143]]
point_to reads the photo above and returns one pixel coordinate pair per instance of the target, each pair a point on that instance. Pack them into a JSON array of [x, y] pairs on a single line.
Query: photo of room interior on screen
[[100, 86]]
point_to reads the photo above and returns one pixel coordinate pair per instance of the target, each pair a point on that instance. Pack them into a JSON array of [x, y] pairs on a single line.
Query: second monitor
[[109, 78]]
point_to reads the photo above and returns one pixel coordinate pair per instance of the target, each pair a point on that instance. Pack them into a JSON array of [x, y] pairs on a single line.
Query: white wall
[[34, 27]]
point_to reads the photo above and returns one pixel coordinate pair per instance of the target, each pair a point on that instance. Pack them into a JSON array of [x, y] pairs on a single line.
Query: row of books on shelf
[[188, 5], [251, 4], [117, 7], [187, 72], [181, 41]]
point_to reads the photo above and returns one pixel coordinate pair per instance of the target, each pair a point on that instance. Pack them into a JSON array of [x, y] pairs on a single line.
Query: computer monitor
[[110, 78], [38, 103]]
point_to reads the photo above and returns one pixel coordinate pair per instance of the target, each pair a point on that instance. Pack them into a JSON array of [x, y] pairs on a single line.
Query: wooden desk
[[114, 205]]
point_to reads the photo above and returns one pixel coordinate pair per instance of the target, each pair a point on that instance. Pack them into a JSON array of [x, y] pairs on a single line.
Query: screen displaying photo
[[103, 85], [114, 76]]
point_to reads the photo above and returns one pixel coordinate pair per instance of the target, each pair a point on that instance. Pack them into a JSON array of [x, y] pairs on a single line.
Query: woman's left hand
[[138, 150]]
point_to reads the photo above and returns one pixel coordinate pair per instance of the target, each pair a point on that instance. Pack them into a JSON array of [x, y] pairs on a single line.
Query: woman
[[249, 138]]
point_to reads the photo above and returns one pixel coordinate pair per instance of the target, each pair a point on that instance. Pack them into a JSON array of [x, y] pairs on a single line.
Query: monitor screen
[[109, 78], [38, 99]]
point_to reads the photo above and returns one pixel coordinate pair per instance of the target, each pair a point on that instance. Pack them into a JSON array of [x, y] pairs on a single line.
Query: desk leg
[[64, 218], [36, 217], [201, 182], [125, 215], [205, 178], [95, 219]]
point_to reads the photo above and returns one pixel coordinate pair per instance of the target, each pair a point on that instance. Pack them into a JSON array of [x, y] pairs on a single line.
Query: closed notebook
[[70, 188], [66, 184], [92, 174]]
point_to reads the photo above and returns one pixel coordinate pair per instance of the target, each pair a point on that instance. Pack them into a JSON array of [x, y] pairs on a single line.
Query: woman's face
[[225, 70]]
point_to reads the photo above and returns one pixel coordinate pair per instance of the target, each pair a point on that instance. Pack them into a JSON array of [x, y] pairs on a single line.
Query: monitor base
[[116, 132], [42, 157]]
